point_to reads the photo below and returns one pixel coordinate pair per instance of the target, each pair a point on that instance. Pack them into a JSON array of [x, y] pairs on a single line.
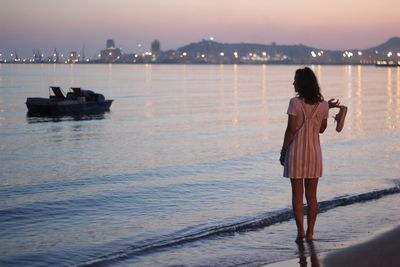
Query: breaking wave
[[264, 220]]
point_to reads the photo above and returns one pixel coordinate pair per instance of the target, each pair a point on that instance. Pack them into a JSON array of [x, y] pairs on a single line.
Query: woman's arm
[[290, 131], [324, 124]]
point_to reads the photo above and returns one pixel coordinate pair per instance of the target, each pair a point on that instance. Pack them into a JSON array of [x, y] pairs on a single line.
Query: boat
[[76, 101]]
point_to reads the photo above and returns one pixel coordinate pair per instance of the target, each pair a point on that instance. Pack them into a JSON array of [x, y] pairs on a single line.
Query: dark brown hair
[[307, 87]]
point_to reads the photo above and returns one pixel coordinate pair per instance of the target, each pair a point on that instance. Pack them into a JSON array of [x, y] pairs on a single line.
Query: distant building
[[73, 57], [111, 53], [55, 57], [110, 44], [155, 50], [37, 55]]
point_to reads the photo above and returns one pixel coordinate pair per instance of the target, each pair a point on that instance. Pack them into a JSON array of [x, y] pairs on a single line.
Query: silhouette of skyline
[[68, 25], [212, 52]]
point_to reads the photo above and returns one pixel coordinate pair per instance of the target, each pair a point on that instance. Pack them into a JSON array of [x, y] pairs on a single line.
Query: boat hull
[[44, 106]]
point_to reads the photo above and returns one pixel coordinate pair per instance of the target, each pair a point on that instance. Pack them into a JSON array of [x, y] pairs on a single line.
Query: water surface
[[186, 150]]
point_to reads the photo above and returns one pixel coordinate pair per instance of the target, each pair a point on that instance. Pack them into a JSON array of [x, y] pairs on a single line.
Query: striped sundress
[[304, 157]]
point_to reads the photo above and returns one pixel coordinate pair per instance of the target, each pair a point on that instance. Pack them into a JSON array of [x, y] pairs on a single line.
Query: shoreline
[[381, 250]]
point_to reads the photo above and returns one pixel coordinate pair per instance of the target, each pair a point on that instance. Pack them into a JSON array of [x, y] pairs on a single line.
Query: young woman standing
[[301, 151]]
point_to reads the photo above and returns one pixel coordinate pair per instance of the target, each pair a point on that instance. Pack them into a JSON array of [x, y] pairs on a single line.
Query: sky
[[68, 25]]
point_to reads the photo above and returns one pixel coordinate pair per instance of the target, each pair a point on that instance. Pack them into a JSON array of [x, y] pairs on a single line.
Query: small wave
[[251, 224]]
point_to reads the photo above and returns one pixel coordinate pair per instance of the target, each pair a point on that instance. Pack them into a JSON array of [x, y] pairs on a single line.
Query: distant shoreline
[[175, 63], [212, 52]]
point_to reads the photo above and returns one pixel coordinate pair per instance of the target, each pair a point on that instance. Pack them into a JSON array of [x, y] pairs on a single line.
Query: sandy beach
[[383, 250]]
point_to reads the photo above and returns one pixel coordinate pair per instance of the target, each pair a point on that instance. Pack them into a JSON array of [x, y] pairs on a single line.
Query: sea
[[183, 170]]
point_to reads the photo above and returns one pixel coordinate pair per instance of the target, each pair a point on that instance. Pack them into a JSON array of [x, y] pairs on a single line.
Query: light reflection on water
[[183, 147]]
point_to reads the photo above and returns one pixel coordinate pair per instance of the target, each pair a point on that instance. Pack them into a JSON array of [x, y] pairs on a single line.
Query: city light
[[203, 56], [264, 54], [110, 53], [313, 54], [389, 54], [359, 53], [99, 55], [221, 54], [236, 54], [211, 38], [398, 54], [184, 54], [347, 54]]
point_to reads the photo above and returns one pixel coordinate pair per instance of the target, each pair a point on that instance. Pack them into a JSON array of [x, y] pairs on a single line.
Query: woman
[[301, 151]]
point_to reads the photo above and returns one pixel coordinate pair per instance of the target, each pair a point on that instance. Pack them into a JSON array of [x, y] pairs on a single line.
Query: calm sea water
[[184, 168]]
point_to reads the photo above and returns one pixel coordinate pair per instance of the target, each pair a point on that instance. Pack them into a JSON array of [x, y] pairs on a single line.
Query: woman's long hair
[[307, 87]]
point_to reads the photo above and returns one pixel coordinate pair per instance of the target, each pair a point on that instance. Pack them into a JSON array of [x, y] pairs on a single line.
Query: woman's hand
[[282, 157], [334, 104]]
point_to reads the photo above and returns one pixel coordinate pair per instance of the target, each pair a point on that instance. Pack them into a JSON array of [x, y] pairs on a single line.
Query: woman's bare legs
[[312, 204], [298, 207]]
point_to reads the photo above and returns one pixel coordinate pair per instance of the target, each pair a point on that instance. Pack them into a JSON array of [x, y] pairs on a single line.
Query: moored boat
[[76, 101]]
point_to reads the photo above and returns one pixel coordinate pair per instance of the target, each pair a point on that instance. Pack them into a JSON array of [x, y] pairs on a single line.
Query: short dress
[[304, 157]]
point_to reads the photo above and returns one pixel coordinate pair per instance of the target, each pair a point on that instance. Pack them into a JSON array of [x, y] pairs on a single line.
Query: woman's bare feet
[[299, 239]]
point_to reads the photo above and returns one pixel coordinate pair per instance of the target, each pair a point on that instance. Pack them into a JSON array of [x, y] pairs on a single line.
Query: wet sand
[[383, 250]]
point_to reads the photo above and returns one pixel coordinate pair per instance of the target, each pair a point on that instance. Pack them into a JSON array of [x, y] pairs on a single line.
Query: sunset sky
[[68, 24]]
